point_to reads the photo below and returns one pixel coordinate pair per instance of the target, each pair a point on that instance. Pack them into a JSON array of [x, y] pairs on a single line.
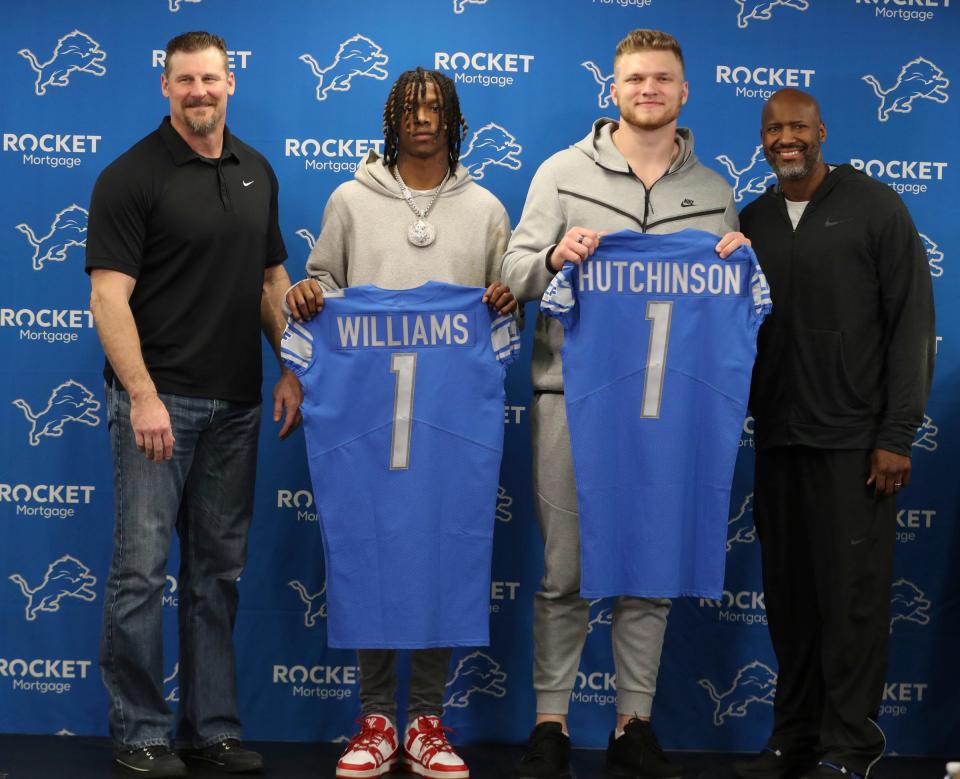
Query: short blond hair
[[648, 40]]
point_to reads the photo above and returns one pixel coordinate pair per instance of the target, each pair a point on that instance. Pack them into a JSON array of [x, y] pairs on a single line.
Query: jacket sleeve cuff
[[546, 260], [897, 438]]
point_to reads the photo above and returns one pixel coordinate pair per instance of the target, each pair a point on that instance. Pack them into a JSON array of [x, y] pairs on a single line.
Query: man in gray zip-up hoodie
[[641, 174]]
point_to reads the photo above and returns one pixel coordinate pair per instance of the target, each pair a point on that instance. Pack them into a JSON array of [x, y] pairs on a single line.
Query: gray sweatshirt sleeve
[[327, 262], [497, 236], [731, 221], [541, 227]]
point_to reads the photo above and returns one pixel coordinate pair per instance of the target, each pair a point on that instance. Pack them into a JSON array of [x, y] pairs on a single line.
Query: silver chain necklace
[[420, 233]]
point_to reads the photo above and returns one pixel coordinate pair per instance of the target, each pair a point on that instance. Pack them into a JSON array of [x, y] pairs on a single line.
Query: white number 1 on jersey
[[659, 313], [404, 365]]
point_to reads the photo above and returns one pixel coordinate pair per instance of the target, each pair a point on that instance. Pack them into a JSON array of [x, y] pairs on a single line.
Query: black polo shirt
[[197, 235]]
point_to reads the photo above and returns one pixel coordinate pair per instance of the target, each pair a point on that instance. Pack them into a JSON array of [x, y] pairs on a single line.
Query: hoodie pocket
[[824, 393]]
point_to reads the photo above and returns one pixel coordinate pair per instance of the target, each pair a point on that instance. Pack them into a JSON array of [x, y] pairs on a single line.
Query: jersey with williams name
[[403, 414], [659, 345]]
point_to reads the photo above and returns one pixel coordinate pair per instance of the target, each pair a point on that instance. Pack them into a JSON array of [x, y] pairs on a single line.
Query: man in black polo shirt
[[185, 258]]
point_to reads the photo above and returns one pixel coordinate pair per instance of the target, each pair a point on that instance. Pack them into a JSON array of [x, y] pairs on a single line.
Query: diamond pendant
[[421, 233]]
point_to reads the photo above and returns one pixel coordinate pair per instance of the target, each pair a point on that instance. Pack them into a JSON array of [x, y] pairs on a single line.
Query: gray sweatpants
[[560, 615], [428, 679]]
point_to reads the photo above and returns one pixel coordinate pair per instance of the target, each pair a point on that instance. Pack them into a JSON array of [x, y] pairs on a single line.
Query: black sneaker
[[150, 761], [637, 754], [774, 763], [547, 755], [228, 756]]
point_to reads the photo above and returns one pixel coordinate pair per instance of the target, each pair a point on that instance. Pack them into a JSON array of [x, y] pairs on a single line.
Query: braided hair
[[402, 104]]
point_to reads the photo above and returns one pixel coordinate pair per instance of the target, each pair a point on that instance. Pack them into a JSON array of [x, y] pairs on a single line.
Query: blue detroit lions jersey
[[403, 414], [659, 344]]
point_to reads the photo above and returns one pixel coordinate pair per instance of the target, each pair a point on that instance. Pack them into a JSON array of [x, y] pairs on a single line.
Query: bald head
[[791, 131], [792, 98]]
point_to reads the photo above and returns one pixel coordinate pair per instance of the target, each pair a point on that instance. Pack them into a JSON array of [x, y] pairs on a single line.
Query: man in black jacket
[[843, 370]]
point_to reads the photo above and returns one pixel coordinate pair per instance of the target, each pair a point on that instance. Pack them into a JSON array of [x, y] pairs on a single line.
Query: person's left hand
[[499, 297], [730, 243], [889, 472], [287, 395]]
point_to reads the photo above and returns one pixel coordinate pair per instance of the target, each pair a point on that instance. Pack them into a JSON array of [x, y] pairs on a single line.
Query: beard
[[202, 126], [797, 169], [634, 118]]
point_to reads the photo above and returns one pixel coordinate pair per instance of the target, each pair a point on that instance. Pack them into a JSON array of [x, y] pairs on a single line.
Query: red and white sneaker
[[371, 752], [429, 754]]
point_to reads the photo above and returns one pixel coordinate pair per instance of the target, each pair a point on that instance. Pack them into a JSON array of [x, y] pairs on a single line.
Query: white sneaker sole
[[434, 773], [366, 773]]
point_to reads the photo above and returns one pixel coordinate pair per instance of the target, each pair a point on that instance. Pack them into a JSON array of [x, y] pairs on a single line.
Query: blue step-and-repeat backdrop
[[80, 81]]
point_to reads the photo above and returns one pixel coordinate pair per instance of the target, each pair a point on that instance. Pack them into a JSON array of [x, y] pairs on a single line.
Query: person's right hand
[[304, 299], [578, 244], [151, 428]]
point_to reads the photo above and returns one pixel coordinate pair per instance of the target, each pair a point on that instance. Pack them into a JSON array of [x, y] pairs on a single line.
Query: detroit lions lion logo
[[748, 180], [316, 604], [600, 615], [70, 402], [492, 145], [934, 256], [603, 83], [357, 56], [740, 528], [762, 10], [926, 435], [175, 5], [65, 578], [754, 683], [919, 79], [907, 604], [504, 502], [75, 52], [69, 229], [476, 673], [459, 6], [171, 689]]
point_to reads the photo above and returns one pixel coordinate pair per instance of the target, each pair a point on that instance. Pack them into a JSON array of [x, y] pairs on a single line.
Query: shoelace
[[367, 737], [434, 735], [536, 750], [650, 741]]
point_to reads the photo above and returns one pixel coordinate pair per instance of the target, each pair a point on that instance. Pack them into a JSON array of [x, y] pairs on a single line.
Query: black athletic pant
[[827, 546]]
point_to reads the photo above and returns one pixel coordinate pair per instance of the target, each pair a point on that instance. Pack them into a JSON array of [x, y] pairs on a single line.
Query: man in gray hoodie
[[413, 216], [641, 174]]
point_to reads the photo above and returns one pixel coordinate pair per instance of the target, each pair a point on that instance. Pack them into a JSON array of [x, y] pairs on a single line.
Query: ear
[[614, 96], [164, 85], [823, 132], [231, 83], [685, 94]]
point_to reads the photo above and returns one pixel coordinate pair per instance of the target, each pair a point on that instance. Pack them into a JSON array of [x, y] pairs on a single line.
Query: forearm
[[540, 229], [121, 342], [273, 319]]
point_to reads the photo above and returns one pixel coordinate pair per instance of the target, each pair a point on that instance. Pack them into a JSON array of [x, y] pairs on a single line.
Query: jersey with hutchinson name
[[403, 413], [659, 345]]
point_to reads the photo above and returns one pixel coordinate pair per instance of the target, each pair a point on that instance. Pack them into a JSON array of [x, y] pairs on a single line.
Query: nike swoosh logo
[[856, 541], [248, 183], [834, 222]]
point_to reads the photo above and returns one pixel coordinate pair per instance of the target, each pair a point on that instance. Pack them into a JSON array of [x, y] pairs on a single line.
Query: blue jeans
[[206, 493]]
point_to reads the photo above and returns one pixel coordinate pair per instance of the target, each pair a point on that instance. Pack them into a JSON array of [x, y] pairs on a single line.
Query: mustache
[[199, 102]]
